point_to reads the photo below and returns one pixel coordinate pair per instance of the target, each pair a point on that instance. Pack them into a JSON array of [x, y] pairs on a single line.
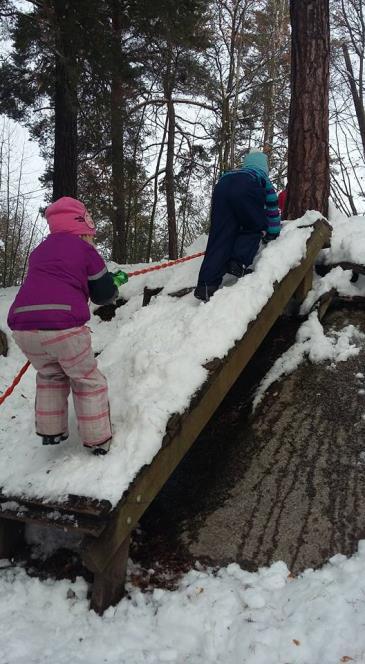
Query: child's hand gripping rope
[[120, 278]]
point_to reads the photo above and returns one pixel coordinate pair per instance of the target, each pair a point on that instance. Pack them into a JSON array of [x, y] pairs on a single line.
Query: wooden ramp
[[106, 531]]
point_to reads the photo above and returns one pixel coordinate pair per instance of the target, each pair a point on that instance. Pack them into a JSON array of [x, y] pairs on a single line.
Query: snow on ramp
[[154, 360]]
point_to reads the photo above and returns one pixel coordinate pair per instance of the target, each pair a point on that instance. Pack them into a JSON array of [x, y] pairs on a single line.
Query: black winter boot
[[235, 268], [204, 293], [54, 440], [101, 449]]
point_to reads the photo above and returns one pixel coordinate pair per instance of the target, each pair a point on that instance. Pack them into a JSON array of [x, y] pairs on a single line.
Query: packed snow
[[153, 358], [225, 617]]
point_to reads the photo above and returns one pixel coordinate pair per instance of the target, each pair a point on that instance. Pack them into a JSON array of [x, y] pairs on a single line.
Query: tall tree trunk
[[356, 95], [226, 134], [155, 192], [170, 181], [119, 244], [226, 103], [277, 11], [65, 102], [308, 153]]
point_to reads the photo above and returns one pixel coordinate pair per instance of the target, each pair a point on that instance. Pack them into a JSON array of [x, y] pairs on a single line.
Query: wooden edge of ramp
[[106, 542], [81, 505], [101, 555], [358, 268]]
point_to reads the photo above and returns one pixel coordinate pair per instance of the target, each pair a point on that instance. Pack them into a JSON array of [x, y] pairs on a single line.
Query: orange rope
[[22, 371]]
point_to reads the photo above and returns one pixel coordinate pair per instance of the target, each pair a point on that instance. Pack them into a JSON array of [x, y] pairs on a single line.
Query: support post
[[108, 585], [304, 286]]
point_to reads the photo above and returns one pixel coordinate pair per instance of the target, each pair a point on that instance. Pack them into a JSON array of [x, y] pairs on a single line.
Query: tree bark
[[155, 193], [119, 243], [308, 153], [170, 182], [65, 102], [277, 10]]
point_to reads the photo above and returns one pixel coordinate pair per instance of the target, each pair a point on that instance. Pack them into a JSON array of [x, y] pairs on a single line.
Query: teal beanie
[[256, 159]]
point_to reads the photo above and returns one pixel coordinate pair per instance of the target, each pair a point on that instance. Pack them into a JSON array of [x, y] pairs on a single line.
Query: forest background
[[138, 107]]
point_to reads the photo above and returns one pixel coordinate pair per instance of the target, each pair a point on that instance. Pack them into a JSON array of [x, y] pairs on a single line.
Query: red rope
[[22, 371], [163, 265], [14, 383]]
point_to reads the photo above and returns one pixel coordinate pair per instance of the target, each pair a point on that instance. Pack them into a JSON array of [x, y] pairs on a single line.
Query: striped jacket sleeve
[[272, 209]]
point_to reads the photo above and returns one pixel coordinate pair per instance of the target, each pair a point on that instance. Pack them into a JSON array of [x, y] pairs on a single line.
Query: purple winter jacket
[[63, 270]]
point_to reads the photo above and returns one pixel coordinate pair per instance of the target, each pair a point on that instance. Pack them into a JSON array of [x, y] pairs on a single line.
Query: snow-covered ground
[[347, 245], [153, 358], [227, 617]]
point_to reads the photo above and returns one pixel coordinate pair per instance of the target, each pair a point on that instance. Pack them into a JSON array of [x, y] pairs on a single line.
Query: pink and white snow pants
[[64, 359]]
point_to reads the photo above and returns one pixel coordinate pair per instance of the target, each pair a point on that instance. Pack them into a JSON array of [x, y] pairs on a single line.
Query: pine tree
[[84, 61], [308, 159]]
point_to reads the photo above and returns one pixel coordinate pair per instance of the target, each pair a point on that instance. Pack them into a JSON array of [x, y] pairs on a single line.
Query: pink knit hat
[[67, 215]]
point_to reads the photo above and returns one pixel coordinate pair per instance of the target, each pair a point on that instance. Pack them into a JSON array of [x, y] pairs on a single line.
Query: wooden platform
[[106, 531]]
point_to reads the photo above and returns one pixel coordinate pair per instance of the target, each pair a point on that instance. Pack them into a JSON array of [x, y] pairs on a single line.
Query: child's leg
[[51, 416], [248, 205], [223, 231], [245, 248], [90, 395], [89, 387]]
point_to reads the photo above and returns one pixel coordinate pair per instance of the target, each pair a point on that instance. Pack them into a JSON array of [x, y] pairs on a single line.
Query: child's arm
[[272, 210], [102, 289]]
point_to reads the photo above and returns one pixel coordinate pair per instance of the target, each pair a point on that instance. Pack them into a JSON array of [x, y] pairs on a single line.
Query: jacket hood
[[256, 159]]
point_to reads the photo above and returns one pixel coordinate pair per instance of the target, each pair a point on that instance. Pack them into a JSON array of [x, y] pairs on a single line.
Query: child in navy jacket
[[244, 210]]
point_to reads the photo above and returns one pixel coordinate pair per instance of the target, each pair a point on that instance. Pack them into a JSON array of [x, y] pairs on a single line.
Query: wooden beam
[[73, 504], [82, 524], [346, 265], [151, 479], [108, 585], [323, 303], [149, 293], [304, 287]]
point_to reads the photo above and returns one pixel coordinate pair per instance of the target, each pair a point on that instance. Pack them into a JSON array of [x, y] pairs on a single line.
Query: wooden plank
[[304, 287], [108, 585], [149, 293], [73, 505], [323, 303], [346, 265], [151, 479], [182, 292], [23, 514]]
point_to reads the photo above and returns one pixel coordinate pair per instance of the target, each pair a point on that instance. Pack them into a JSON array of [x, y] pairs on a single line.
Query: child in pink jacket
[[48, 320]]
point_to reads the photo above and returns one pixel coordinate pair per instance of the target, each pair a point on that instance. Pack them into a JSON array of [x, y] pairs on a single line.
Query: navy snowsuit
[[237, 221]]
